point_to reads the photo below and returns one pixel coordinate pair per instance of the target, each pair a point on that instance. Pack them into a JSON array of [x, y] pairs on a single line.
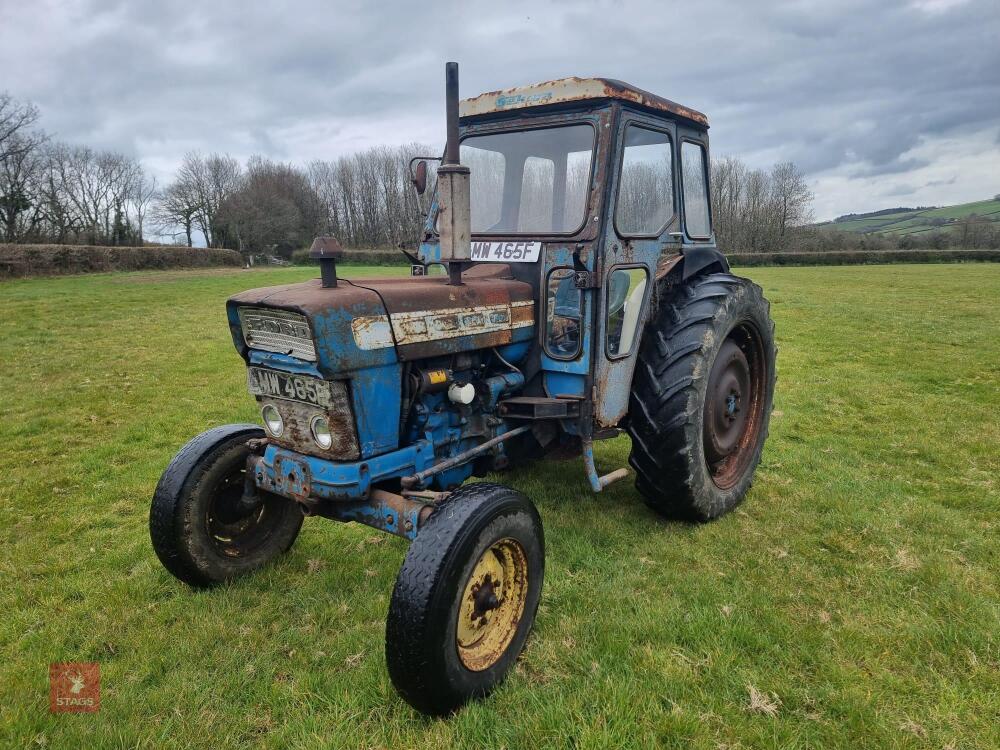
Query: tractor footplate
[[534, 407]]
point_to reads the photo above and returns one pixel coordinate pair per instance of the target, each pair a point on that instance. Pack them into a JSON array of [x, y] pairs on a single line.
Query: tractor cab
[[592, 191]]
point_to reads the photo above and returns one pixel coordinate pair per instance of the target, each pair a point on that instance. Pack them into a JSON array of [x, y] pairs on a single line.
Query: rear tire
[[701, 396], [199, 531], [465, 598]]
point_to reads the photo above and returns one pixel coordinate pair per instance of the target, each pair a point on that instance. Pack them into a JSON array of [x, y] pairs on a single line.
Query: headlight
[[272, 420], [320, 428]]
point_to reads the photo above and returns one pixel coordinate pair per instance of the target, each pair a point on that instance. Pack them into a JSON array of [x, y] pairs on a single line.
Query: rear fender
[[689, 262]]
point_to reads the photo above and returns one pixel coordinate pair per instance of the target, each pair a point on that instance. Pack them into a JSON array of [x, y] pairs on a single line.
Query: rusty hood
[[428, 317], [369, 322]]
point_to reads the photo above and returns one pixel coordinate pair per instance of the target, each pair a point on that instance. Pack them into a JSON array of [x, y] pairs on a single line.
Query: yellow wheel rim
[[492, 604]]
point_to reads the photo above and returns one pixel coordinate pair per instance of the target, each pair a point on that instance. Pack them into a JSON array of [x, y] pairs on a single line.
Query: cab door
[[644, 216]]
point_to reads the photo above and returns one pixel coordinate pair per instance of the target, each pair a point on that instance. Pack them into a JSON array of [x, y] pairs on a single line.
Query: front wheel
[[465, 598], [701, 397], [200, 529]]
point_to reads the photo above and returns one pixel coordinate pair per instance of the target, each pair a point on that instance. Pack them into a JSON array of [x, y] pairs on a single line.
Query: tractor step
[[539, 407]]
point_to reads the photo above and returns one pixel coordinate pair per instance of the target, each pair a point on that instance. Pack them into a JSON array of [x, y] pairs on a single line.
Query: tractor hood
[[365, 323]]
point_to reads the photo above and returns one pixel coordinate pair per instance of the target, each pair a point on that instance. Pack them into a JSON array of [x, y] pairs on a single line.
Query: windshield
[[529, 181]]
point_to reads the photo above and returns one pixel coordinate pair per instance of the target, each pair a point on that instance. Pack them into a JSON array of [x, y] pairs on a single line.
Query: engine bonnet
[[370, 322], [428, 317]]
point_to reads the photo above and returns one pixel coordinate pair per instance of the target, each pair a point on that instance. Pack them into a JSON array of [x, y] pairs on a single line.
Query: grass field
[[916, 221], [853, 601]]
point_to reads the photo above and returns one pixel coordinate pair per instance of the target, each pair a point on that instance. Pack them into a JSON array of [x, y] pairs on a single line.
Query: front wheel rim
[[733, 414], [492, 604], [234, 530]]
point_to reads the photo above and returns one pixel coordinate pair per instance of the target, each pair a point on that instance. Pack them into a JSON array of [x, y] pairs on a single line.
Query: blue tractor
[[584, 296]]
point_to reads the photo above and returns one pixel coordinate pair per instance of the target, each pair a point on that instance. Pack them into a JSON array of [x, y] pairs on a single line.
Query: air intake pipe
[[454, 220]]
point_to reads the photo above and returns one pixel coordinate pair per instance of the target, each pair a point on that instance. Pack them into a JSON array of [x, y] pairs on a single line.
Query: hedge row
[[51, 260], [862, 257]]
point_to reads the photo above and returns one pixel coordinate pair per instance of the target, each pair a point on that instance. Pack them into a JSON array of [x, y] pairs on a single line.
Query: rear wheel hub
[[734, 405]]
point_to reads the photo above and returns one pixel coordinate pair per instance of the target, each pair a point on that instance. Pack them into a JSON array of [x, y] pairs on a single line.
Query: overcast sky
[[880, 102]]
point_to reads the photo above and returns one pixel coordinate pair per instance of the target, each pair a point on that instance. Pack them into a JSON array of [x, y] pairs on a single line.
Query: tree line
[[53, 192], [64, 194], [59, 193]]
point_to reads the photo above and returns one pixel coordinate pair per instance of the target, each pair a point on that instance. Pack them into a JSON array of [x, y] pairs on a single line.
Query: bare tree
[[213, 179], [19, 172], [176, 207], [16, 119], [792, 197], [756, 210], [367, 197], [141, 195]]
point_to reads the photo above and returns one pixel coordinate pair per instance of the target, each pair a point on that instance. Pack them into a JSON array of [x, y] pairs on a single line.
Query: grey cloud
[[853, 84]]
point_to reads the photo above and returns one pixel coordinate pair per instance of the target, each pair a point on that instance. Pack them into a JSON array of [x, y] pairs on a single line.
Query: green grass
[[856, 589], [917, 221]]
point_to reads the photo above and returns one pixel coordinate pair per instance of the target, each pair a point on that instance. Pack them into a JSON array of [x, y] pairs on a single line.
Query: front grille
[[277, 331]]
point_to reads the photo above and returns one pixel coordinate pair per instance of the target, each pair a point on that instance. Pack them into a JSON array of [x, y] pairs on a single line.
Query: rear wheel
[[702, 395], [465, 598], [200, 528]]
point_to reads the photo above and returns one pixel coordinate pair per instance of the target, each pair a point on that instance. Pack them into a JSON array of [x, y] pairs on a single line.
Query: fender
[[691, 260]]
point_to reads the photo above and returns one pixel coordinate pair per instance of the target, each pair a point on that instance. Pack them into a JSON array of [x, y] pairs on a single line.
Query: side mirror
[[419, 178]]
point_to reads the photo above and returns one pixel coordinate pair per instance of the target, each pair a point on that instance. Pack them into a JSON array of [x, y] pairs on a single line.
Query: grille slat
[[277, 331]]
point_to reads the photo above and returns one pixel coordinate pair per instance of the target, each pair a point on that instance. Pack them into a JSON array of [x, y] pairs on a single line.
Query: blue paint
[[378, 515], [499, 386], [336, 350], [565, 384], [515, 353], [375, 394], [335, 480], [591, 469]]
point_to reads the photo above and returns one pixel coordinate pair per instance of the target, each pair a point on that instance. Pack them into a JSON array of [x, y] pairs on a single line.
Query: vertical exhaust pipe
[[451, 153], [454, 219]]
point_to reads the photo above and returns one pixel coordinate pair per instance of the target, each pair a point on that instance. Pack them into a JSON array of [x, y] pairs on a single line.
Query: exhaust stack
[[454, 220]]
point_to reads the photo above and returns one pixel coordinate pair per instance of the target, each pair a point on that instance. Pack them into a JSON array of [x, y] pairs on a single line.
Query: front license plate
[[277, 384], [506, 252]]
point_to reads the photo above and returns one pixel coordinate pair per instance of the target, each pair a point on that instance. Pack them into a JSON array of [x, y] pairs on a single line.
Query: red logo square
[[75, 687]]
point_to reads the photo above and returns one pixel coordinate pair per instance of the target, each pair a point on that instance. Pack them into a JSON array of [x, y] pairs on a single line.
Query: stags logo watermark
[[75, 687]]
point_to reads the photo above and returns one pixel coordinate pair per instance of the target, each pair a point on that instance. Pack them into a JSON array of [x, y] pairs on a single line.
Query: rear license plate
[[277, 384]]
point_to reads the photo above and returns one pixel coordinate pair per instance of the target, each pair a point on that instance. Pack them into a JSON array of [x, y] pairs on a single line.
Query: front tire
[[465, 598], [702, 396], [200, 531]]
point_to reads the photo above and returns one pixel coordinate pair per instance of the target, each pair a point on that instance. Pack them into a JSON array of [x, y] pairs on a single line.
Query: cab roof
[[572, 90]]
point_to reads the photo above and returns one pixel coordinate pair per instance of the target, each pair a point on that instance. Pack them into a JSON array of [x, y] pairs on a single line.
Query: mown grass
[[852, 601]]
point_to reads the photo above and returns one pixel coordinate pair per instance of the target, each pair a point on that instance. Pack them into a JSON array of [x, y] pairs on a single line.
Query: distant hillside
[[915, 221]]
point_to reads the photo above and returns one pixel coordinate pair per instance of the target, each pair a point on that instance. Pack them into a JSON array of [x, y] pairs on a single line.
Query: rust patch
[[428, 316], [298, 417], [574, 89], [666, 264]]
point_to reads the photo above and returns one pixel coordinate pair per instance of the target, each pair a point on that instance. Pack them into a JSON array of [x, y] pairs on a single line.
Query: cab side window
[[646, 184], [626, 291], [564, 311], [695, 179]]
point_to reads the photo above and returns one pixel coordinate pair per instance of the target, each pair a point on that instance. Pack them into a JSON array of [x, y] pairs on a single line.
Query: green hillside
[[905, 221]]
